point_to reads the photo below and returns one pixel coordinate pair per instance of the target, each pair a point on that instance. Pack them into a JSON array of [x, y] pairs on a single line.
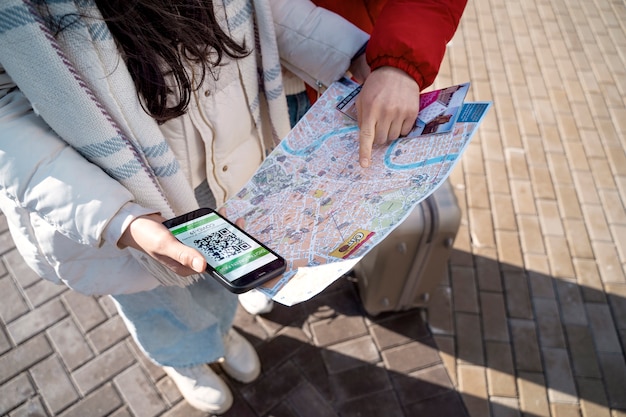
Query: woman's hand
[[359, 68], [149, 235]]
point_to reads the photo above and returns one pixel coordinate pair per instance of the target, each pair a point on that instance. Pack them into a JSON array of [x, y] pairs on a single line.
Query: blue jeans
[[177, 326], [298, 104]]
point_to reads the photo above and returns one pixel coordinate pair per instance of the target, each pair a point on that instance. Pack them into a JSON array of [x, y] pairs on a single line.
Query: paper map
[[311, 201]]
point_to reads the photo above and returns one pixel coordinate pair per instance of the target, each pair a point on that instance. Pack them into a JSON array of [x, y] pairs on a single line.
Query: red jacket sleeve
[[412, 35]]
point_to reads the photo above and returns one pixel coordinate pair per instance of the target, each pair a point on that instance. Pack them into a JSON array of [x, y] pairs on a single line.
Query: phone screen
[[228, 250]]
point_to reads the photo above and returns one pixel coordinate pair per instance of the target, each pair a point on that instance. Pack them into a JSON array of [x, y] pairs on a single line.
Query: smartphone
[[236, 259]]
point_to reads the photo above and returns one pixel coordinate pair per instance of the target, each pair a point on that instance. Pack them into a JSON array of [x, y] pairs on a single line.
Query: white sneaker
[[255, 302], [202, 388], [240, 360]]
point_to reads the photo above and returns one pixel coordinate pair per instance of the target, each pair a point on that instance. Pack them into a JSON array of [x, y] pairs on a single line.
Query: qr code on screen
[[221, 245]]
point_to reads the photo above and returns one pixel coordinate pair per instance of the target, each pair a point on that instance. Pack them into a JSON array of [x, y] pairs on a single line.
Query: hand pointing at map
[[387, 108], [410, 36]]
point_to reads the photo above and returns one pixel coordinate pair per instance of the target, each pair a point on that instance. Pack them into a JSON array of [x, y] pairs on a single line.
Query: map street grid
[[313, 203]]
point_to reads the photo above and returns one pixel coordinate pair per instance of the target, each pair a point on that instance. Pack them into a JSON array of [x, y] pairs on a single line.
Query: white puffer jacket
[[64, 212]]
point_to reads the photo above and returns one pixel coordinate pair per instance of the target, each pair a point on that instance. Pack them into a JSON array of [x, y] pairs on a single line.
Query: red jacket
[[407, 34]]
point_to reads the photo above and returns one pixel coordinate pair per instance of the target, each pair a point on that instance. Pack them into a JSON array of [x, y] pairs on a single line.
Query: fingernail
[[365, 162], [196, 264]]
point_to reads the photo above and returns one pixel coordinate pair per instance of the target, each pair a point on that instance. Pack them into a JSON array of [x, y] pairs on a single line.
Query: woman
[[115, 115]]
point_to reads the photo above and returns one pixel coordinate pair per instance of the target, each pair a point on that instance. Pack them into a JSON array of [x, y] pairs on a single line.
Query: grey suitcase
[[401, 271]]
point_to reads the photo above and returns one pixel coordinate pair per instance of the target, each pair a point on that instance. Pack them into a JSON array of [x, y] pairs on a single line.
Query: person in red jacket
[[403, 55], [407, 44]]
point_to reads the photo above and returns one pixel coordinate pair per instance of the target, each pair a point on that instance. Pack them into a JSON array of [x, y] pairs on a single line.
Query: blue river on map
[[418, 164], [316, 144]]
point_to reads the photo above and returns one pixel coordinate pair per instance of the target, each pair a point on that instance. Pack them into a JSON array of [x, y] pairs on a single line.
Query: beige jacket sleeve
[[314, 43]]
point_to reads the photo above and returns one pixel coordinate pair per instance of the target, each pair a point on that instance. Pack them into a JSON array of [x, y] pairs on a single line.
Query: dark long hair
[[161, 38]]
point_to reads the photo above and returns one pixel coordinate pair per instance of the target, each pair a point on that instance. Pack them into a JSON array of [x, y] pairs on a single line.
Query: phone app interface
[[229, 251]]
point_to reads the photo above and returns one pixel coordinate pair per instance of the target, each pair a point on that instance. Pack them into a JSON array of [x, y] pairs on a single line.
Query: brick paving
[[530, 321]]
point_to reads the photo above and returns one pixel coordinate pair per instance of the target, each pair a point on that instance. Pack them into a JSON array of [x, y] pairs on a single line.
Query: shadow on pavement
[[327, 357]]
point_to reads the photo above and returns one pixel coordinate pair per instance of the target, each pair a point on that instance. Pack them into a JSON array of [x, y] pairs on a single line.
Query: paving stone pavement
[[530, 321]]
